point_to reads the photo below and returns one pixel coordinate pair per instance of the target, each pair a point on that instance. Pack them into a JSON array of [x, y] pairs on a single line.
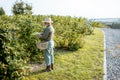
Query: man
[[47, 36]]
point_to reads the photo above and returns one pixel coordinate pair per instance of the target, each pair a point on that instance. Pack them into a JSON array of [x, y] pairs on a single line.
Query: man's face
[[47, 24]]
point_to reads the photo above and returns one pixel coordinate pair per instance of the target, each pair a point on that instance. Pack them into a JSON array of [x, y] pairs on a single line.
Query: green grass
[[84, 64]]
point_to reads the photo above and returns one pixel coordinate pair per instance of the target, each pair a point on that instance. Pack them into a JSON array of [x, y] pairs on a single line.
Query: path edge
[[104, 64]]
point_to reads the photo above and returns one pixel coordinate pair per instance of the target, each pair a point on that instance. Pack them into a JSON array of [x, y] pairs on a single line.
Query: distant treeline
[[115, 25]]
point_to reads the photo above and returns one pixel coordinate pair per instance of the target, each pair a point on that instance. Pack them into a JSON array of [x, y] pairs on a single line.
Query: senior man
[[47, 36]]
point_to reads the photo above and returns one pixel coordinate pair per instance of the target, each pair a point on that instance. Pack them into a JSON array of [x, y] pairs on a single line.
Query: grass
[[84, 64]]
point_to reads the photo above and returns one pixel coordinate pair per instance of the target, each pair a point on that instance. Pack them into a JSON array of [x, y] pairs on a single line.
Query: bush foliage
[[98, 24], [17, 45]]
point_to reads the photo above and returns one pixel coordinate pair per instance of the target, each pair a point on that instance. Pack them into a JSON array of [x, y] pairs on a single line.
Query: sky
[[75, 8]]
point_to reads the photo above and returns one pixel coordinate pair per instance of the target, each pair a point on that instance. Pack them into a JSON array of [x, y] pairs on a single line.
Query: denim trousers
[[49, 53]]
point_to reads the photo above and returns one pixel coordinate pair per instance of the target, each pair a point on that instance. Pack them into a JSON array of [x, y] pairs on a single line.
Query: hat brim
[[47, 21]]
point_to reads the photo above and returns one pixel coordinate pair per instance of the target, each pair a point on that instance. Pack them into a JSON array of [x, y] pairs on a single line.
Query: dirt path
[[34, 67]]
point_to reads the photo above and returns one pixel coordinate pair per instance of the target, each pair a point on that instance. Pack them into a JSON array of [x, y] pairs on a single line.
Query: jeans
[[48, 53]]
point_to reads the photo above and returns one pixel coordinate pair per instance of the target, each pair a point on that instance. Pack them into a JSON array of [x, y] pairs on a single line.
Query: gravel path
[[112, 46]]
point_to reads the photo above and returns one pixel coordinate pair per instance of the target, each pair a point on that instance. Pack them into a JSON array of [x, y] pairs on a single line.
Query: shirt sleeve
[[45, 34]]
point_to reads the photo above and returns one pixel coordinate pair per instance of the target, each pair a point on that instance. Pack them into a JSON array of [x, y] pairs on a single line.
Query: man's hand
[[39, 35]]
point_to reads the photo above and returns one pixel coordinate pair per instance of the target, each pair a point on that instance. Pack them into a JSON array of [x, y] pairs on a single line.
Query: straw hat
[[48, 20]]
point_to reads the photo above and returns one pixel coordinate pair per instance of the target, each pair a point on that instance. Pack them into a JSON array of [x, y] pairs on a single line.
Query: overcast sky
[[80, 8]]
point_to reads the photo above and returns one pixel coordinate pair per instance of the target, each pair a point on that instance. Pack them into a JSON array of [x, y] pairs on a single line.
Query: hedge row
[[17, 45]]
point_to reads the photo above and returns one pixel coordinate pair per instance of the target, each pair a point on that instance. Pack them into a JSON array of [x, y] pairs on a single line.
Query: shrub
[[17, 45], [98, 24], [12, 67]]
